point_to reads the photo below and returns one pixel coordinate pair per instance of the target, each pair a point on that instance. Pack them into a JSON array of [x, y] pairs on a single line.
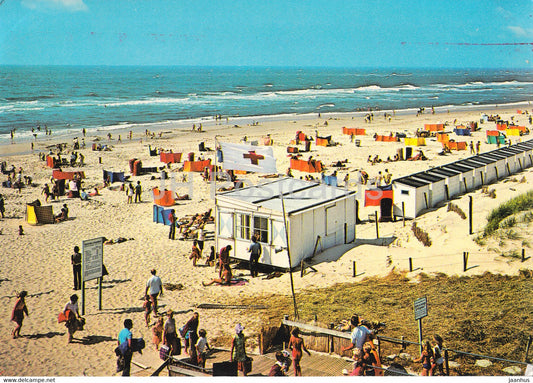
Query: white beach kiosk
[[316, 215]]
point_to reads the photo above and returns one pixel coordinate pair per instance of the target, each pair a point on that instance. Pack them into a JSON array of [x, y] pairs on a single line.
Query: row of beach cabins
[[427, 189]]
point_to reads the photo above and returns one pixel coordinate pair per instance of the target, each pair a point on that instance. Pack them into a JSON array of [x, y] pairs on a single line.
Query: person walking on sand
[[124, 342], [190, 333], [478, 147], [74, 320], [202, 347], [138, 192], [255, 253], [154, 288], [17, 315], [75, 260], [170, 337], [296, 344], [157, 332], [238, 350], [147, 307], [2, 206], [172, 220]]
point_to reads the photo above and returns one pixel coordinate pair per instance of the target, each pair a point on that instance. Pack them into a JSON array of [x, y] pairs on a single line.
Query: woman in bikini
[[296, 344]]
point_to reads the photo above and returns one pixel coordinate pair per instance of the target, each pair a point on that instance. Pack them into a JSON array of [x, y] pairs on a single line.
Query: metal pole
[[465, 260], [410, 264], [523, 255], [100, 293], [354, 269], [82, 296], [289, 255], [403, 213], [420, 335]]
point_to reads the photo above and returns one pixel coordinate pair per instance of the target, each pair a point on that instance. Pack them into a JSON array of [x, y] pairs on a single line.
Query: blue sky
[[350, 33]]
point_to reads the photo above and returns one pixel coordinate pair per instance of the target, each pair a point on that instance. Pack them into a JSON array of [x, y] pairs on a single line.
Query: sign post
[[421, 311], [92, 261]]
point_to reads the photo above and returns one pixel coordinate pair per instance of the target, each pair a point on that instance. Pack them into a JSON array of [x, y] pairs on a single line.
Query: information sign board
[[421, 308], [92, 260]]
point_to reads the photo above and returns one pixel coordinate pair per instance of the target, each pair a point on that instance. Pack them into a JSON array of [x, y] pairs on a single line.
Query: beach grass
[[487, 314], [515, 205]]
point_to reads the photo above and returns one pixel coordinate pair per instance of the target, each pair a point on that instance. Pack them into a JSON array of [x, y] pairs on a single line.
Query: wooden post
[[470, 213], [99, 160], [410, 264], [377, 226], [331, 338], [354, 269], [302, 268], [404, 345], [403, 213], [465, 260], [529, 340], [446, 364], [523, 254]]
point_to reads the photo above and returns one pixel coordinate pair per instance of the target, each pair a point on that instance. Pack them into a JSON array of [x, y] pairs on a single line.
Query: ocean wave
[[328, 105]]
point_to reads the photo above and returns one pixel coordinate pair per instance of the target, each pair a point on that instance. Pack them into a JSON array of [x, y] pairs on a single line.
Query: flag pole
[[289, 255]]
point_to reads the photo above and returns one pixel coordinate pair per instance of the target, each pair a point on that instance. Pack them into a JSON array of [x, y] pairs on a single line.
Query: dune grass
[[488, 314], [515, 205]]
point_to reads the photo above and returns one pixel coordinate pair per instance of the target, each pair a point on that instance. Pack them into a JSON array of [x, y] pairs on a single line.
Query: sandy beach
[[39, 261]]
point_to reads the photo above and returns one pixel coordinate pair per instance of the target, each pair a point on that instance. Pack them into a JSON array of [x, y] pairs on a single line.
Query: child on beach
[[195, 253], [17, 315], [157, 332], [147, 306], [201, 347]]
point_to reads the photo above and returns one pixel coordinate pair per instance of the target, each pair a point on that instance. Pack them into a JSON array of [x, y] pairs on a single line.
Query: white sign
[[92, 259], [421, 308]]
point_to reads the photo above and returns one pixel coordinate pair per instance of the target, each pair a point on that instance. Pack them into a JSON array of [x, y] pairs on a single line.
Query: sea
[[66, 99]]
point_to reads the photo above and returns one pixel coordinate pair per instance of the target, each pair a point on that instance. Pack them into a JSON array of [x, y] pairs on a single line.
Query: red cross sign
[[254, 158]]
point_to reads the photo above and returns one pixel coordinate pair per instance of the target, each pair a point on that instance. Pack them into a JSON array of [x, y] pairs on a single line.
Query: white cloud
[[521, 32], [517, 30], [68, 5]]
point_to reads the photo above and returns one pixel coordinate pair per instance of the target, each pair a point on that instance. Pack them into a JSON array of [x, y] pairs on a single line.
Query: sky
[[303, 33]]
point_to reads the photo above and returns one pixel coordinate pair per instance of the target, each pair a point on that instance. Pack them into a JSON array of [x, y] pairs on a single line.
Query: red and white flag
[[250, 158]]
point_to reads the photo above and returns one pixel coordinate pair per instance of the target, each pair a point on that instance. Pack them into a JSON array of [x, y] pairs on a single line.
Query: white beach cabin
[[437, 187], [452, 183], [414, 193], [318, 216]]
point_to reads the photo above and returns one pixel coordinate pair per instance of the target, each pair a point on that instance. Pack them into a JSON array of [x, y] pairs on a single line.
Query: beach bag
[[137, 344], [248, 365], [164, 352], [63, 316]]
